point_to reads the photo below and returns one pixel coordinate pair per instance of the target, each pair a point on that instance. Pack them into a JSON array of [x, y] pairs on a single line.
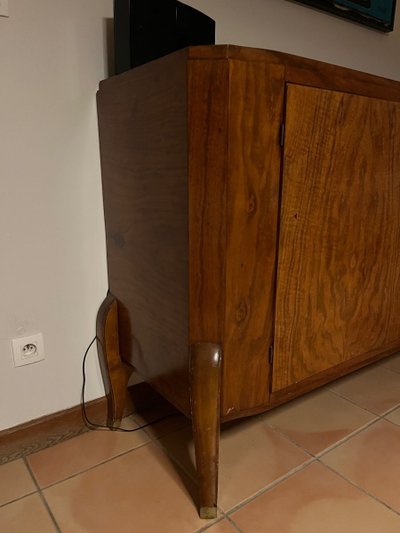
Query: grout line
[[42, 497], [234, 524], [17, 499], [390, 369], [335, 444], [353, 402], [347, 437], [221, 516], [288, 438], [95, 466], [390, 410], [224, 514], [361, 489], [217, 521], [280, 432], [212, 523], [192, 476], [379, 415], [390, 422], [157, 442], [270, 486]]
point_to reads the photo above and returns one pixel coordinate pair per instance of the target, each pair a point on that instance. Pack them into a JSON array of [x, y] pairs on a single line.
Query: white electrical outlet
[[27, 350], [3, 8]]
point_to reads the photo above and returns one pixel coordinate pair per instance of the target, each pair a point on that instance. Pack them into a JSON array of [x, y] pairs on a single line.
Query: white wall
[[52, 266], [290, 27]]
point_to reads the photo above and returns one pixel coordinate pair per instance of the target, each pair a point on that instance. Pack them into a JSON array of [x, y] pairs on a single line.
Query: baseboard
[[46, 431]]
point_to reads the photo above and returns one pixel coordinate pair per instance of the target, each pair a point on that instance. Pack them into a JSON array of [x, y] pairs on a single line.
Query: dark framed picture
[[378, 14]]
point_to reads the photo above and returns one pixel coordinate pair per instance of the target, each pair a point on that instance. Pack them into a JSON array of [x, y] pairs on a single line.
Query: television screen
[[378, 14]]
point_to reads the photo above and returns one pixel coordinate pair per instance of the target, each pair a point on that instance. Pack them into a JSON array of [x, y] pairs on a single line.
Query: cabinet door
[[338, 282]]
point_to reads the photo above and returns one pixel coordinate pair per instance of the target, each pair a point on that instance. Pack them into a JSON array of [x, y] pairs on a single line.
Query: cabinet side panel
[[256, 107], [143, 140], [208, 137]]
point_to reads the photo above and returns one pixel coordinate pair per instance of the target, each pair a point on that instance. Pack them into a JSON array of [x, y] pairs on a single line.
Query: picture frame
[[378, 14]]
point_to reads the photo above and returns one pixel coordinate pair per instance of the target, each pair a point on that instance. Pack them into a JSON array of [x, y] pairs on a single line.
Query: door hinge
[[271, 354], [282, 135]]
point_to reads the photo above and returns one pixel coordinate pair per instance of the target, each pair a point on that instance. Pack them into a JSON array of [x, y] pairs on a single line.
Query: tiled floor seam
[[212, 522], [358, 487], [332, 446], [234, 524], [390, 422], [220, 519], [288, 438], [390, 410], [42, 497], [17, 499], [391, 369], [350, 401], [347, 437], [94, 466], [250, 498], [360, 407], [377, 419], [157, 441], [270, 486]]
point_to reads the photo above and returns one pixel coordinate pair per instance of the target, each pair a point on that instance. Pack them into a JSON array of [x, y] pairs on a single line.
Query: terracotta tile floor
[[327, 462]]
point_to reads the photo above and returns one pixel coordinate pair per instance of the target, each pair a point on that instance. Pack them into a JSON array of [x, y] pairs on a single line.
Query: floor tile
[[15, 481], [392, 362], [141, 492], [315, 500], [318, 420], [28, 515], [375, 388], [168, 425], [394, 416], [221, 527], [80, 453], [371, 460], [252, 455]]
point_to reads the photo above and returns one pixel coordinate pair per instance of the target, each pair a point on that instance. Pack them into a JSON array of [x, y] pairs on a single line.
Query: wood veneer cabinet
[[252, 207]]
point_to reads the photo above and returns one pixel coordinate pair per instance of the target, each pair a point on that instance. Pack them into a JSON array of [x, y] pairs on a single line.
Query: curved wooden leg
[[205, 362], [115, 372]]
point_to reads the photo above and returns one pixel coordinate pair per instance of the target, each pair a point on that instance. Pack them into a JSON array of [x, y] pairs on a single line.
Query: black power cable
[[92, 425]]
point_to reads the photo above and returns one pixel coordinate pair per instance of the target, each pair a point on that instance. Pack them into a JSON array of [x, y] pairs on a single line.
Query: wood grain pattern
[[190, 165], [143, 142], [115, 371], [205, 380], [208, 87], [326, 376], [255, 116], [307, 71], [199, 212], [339, 251]]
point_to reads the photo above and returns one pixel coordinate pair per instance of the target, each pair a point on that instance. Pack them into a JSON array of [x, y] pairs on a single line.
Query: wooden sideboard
[[252, 208]]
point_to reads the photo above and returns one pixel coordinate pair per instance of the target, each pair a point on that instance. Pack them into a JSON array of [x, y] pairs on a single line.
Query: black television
[[145, 30], [378, 14]]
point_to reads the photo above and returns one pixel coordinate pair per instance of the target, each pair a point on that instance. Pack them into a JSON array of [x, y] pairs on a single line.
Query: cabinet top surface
[[244, 53], [297, 69]]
